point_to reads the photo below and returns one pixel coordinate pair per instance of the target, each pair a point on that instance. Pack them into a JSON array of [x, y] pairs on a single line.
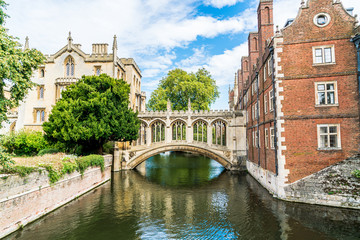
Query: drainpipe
[[274, 110], [356, 41]]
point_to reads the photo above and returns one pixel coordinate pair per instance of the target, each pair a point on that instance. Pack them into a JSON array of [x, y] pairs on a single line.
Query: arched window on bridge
[[219, 133], [158, 132], [142, 134], [200, 131], [179, 131]]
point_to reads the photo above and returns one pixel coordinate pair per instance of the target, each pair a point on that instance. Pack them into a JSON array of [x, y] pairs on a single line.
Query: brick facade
[[311, 121]]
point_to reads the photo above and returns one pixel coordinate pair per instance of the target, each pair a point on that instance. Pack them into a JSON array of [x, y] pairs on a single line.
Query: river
[[183, 196]]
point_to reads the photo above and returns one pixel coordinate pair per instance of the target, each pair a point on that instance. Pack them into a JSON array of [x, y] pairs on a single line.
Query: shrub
[[21, 170], [48, 151], [24, 142], [91, 160], [5, 160], [109, 147], [356, 173]]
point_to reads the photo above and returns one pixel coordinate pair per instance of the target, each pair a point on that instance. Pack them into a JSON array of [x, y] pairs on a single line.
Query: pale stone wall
[[25, 199]]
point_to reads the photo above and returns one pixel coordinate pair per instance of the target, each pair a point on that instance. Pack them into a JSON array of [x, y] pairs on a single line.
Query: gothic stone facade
[[66, 67], [300, 90]]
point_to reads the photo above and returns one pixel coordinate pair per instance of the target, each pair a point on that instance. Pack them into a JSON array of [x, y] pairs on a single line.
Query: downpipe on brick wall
[[356, 41]]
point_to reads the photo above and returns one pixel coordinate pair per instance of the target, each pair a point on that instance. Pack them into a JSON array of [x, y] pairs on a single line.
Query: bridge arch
[[143, 156]]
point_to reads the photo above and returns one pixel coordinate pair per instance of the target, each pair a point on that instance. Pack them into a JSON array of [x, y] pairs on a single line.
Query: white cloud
[[221, 3]]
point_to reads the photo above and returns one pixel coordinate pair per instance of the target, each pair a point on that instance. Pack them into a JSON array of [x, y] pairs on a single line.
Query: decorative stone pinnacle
[[69, 41], [302, 3], [277, 29], [26, 46], [115, 43]]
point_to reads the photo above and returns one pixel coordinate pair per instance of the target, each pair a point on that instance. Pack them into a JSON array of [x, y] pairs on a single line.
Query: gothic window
[[267, 15], [200, 131], [246, 66], [42, 73], [70, 67], [158, 132], [255, 43], [219, 133], [179, 131], [39, 115], [142, 134], [41, 90]]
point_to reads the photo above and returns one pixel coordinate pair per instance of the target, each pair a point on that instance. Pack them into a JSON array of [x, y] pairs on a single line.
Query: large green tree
[[179, 86], [16, 68], [91, 112]]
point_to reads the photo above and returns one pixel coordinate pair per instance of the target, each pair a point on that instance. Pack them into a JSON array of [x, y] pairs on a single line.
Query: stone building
[[300, 89], [65, 67]]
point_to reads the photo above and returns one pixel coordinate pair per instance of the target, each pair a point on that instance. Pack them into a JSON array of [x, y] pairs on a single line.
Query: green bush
[[48, 151], [5, 160], [21, 170], [90, 161], [356, 173], [27, 143], [109, 147]]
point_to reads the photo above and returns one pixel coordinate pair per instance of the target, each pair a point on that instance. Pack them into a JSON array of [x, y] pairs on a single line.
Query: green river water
[[182, 196]]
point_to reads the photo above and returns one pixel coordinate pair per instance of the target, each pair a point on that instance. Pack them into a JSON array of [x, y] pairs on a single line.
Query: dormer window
[[70, 67]]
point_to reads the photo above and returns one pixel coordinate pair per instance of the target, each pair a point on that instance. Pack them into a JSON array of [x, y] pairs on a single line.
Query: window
[[41, 90], [257, 110], [200, 131], [70, 67], [266, 138], [42, 72], [271, 100], [179, 131], [270, 65], [142, 134], [253, 112], [158, 131], [265, 72], [265, 103], [253, 137], [39, 115], [329, 136], [322, 19], [219, 133], [272, 138], [324, 55], [97, 70], [326, 93]]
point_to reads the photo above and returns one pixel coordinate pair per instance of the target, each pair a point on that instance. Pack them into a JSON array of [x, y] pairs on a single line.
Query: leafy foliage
[[179, 86], [5, 160], [356, 173], [48, 151], [20, 170], [91, 112], [24, 143], [16, 68], [90, 161]]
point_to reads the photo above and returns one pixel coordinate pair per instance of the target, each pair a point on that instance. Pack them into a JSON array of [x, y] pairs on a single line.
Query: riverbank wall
[[25, 199], [333, 186]]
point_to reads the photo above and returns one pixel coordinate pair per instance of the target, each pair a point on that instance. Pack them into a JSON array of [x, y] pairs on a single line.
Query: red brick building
[[300, 89]]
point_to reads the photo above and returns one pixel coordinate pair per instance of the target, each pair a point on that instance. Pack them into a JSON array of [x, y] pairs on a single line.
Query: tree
[[16, 68], [91, 112], [179, 86]]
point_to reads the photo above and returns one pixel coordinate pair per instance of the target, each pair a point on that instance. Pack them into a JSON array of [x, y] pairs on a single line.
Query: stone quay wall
[[25, 199], [333, 186]]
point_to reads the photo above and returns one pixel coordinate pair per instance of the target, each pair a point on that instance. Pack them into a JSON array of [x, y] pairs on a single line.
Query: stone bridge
[[218, 135]]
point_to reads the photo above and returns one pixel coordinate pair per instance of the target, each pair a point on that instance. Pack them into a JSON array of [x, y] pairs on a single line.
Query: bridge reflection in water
[[207, 207]]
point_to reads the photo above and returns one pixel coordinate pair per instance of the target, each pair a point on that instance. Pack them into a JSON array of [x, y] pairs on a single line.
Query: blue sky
[[159, 34]]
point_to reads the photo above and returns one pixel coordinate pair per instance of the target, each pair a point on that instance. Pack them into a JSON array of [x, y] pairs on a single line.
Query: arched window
[[70, 67], [246, 66], [255, 43], [200, 131], [158, 132], [42, 73], [219, 133], [267, 15], [142, 134], [179, 131]]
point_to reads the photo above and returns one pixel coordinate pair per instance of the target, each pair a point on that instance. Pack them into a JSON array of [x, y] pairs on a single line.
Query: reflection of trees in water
[[332, 223]]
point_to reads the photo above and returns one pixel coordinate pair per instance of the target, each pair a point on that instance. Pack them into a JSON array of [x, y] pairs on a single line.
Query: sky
[[159, 34]]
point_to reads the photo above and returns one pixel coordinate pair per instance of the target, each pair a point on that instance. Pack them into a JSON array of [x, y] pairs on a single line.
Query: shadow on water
[[157, 202]]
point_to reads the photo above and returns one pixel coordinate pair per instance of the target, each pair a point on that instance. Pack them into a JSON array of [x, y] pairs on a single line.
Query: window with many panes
[[324, 54], [266, 138], [326, 93], [265, 103], [271, 100], [329, 136], [39, 115], [272, 138]]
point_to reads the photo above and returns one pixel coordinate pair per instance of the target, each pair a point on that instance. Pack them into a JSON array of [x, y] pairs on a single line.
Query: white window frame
[[270, 65], [265, 103], [266, 138], [271, 102], [317, 104], [253, 138], [265, 73], [272, 138], [322, 48], [338, 147]]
